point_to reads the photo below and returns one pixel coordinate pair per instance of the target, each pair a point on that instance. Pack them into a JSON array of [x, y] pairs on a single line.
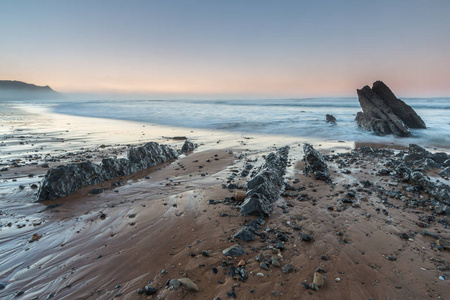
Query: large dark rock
[[188, 146], [315, 163], [65, 180], [384, 114], [330, 119], [265, 188], [400, 108]]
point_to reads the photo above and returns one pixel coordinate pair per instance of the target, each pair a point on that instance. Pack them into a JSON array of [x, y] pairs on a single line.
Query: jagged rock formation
[[315, 163], [330, 119], [384, 114], [65, 180], [265, 188]]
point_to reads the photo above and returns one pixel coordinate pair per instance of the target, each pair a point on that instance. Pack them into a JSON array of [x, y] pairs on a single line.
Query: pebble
[[2, 286], [318, 280], [188, 284], [260, 274], [264, 266], [337, 279], [150, 290]]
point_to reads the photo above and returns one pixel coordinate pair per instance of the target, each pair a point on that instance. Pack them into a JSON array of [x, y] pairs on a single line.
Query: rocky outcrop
[[330, 119], [188, 146], [265, 188], [65, 180], [315, 164], [384, 114]]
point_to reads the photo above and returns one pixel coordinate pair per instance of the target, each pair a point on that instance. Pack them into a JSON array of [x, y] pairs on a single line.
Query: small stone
[[205, 253], [239, 196], [174, 283], [241, 263], [260, 274], [275, 262], [233, 251], [314, 287], [150, 290], [337, 279], [188, 284], [140, 291], [2, 286], [318, 280], [264, 266], [287, 268]]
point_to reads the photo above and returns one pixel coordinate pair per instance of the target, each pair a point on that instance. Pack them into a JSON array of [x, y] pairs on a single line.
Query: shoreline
[[112, 244]]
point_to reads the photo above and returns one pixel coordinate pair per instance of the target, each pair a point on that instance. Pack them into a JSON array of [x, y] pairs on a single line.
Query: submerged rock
[[65, 180], [315, 163], [264, 189], [384, 114], [330, 119]]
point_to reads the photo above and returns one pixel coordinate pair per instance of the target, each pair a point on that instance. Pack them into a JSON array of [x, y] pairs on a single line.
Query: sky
[[227, 49]]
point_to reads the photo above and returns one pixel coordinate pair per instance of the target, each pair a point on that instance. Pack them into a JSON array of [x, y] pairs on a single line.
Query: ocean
[[287, 117]]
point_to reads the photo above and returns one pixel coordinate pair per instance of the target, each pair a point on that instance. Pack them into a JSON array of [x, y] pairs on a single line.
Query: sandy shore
[[154, 227]]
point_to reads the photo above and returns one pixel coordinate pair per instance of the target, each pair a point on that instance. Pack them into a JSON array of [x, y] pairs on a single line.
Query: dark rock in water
[[400, 108], [245, 235], [264, 189], [315, 163], [2, 286], [188, 146], [65, 180], [233, 251], [384, 114], [330, 119]]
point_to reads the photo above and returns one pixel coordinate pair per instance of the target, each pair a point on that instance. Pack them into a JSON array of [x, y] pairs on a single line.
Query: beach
[[372, 234]]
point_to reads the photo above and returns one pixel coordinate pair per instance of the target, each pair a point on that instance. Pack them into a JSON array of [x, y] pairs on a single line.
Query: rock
[[2, 286], [188, 146], [233, 251], [245, 235], [315, 164], [264, 266], [445, 173], [275, 262], [318, 280], [287, 268], [65, 180], [150, 290], [174, 283], [264, 189], [400, 108], [96, 191], [205, 253], [331, 119], [239, 196], [188, 284], [384, 114]]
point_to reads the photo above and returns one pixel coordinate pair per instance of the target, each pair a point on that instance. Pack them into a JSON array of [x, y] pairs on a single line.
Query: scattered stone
[[205, 253], [233, 251], [287, 268], [150, 290], [318, 280], [264, 266], [245, 235], [188, 284], [174, 283]]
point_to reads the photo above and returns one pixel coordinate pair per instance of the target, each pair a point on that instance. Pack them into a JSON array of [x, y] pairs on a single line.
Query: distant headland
[[18, 90]]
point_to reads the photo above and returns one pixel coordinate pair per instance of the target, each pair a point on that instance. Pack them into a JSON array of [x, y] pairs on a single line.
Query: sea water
[[288, 117]]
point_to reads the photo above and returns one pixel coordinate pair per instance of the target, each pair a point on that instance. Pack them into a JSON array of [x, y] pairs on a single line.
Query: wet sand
[[110, 245]]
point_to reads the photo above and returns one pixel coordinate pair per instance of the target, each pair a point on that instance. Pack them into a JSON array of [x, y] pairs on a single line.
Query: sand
[[155, 226]]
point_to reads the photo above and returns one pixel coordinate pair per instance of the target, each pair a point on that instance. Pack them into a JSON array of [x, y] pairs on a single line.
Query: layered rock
[[265, 188], [65, 180], [315, 164], [383, 113]]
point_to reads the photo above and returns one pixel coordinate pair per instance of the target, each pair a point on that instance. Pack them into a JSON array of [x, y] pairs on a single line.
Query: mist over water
[[290, 117]]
